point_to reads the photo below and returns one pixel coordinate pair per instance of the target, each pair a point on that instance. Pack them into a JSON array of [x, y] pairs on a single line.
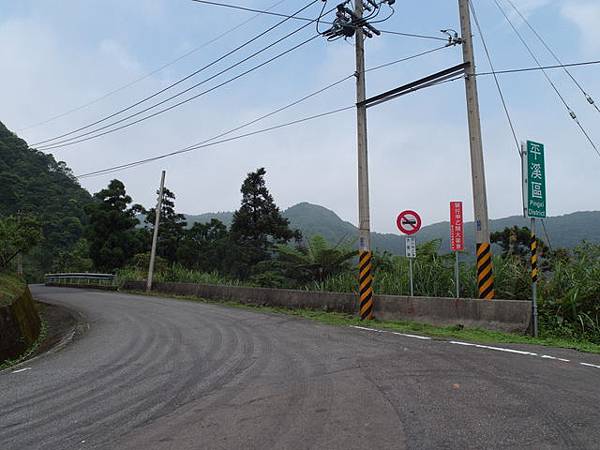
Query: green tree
[[18, 234], [35, 183], [315, 261], [204, 246], [171, 228], [111, 233], [257, 226], [77, 259], [516, 241]]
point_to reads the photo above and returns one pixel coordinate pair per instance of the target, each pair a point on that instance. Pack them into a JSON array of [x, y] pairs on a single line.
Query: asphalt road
[[155, 373]]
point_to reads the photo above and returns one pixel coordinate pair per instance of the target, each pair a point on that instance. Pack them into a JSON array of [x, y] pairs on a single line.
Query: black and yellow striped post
[[534, 259], [365, 281], [534, 279], [485, 272]]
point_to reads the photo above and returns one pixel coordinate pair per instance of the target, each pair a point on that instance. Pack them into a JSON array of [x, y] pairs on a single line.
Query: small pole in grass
[[155, 235], [457, 275]]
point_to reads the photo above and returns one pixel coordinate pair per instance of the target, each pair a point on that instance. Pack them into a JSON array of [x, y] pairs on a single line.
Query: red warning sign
[[457, 234]]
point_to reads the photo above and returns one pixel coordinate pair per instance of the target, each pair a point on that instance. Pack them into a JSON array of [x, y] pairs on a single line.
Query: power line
[[489, 58], [271, 13], [555, 56], [75, 140], [181, 80], [407, 58], [127, 125], [149, 74], [214, 140], [571, 112], [531, 69], [196, 147]]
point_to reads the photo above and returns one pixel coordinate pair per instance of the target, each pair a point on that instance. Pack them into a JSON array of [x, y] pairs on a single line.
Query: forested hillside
[[34, 183], [565, 231]]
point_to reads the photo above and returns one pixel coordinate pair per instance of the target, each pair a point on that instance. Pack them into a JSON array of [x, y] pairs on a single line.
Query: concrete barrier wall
[[503, 315], [19, 326]]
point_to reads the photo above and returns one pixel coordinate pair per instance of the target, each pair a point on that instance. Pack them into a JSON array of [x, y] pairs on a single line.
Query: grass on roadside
[[477, 335], [10, 287]]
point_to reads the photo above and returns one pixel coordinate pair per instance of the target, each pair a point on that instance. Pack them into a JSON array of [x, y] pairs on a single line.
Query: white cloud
[[586, 16]]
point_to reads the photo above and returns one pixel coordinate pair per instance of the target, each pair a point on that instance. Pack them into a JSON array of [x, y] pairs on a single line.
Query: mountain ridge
[[567, 230]]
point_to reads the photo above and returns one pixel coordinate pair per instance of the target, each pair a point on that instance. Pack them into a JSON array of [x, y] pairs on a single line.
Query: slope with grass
[[20, 323]]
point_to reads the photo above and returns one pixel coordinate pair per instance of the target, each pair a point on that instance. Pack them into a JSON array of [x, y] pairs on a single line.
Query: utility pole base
[[366, 285], [485, 273]]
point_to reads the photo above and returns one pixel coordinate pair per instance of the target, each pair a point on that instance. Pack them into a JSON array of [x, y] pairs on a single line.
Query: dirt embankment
[[20, 322]]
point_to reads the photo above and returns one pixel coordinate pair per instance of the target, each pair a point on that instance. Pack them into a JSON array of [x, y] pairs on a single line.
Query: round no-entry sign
[[408, 222]]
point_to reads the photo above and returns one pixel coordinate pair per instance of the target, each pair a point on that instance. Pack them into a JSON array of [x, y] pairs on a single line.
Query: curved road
[[154, 373]]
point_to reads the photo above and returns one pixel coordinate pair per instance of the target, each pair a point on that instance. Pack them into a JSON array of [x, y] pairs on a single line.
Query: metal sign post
[[411, 253], [534, 206], [457, 241], [409, 223]]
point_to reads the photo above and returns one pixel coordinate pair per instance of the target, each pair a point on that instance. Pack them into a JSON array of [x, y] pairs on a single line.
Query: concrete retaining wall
[[19, 326], [504, 315]]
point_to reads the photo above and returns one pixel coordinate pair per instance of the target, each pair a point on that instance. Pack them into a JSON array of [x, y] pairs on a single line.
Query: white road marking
[[590, 365], [471, 344], [367, 329], [498, 349], [21, 370], [425, 338], [554, 358]]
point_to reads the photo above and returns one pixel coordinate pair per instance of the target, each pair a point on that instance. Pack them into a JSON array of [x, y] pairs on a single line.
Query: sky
[[58, 56]]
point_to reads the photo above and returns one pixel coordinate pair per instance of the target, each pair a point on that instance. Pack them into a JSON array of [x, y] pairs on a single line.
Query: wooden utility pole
[[485, 273], [155, 234]]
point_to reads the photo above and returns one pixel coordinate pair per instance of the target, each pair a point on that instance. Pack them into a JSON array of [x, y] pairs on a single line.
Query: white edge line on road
[[470, 344], [554, 358], [367, 329], [21, 370], [590, 365], [499, 349], [425, 338]]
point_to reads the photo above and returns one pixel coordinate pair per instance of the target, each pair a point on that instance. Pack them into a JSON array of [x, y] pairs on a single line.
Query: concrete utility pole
[[485, 274], [155, 234], [364, 238]]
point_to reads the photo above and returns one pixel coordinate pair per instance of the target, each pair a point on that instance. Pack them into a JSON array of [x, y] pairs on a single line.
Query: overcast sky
[[59, 55]]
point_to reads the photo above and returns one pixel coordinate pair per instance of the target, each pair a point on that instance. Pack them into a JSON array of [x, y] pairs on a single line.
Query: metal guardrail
[[81, 279]]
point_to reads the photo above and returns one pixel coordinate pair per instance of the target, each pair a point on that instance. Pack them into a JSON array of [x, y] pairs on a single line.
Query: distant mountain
[[563, 231]]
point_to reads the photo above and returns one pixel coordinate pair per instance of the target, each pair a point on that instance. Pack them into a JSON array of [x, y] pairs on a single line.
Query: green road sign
[[534, 180]]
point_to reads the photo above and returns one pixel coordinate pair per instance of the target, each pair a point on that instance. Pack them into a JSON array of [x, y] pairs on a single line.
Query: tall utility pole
[[485, 273], [364, 238], [155, 234]]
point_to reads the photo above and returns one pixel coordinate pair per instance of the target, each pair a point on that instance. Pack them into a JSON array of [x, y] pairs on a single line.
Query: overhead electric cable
[[149, 74], [59, 145], [391, 63], [161, 111], [587, 96], [489, 58], [531, 69], [571, 112], [212, 141], [181, 80], [234, 138], [271, 13]]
